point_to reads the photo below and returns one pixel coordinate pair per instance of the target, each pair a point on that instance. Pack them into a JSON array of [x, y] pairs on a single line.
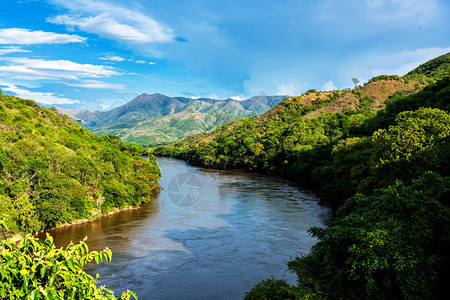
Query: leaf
[[70, 263], [133, 294], [49, 239], [42, 272], [52, 279], [33, 295]]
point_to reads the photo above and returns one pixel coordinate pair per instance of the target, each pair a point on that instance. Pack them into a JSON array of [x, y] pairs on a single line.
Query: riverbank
[[97, 216]]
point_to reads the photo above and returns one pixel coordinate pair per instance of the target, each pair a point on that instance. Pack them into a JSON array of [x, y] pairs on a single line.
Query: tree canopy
[[55, 171]]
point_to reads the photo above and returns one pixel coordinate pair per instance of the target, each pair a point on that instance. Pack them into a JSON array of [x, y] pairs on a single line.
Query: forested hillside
[[382, 164], [54, 171]]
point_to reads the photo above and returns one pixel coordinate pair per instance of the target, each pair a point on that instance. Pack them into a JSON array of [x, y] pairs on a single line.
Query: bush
[[272, 289], [35, 269]]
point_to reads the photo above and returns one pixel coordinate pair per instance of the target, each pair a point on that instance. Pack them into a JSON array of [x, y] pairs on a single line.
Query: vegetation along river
[[208, 235]]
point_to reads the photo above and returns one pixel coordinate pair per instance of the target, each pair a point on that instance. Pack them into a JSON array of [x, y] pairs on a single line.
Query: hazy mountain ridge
[[156, 118]]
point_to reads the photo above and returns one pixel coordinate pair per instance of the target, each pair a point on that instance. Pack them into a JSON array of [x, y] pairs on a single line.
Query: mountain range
[[158, 119]]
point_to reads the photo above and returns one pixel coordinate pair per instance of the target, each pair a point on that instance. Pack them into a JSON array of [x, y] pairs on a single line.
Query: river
[[208, 235]]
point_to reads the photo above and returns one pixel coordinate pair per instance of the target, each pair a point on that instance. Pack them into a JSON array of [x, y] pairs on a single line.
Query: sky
[[103, 53]]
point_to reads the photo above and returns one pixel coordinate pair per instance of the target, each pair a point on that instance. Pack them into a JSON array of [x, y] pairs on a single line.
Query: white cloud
[[95, 84], [43, 98], [402, 62], [19, 36], [113, 58], [141, 62], [210, 96], [113, 22], [292, 89], [237, 98], [329, 86], [26, 68], [373, 64], [8, 50]]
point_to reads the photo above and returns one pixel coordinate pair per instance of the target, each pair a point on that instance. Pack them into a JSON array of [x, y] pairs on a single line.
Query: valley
[[376, 155], [157, 119]]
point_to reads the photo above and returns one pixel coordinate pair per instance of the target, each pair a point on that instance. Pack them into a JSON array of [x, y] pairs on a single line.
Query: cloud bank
[[32, 69], [112, 21], [43, 98], [20, 36]]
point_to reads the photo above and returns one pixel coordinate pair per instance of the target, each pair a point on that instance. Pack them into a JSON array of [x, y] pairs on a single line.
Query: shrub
[[272, 289], [35, 269]]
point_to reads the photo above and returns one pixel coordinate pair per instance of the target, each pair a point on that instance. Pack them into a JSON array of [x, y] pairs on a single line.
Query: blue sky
[[98, 54]]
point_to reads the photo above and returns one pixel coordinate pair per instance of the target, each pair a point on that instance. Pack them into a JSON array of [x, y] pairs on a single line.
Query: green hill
[[432, 70], [55, 171], [379, 155]]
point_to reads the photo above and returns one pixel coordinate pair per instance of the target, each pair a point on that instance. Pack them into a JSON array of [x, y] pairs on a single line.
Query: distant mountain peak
[[147, 96], [158, 95]]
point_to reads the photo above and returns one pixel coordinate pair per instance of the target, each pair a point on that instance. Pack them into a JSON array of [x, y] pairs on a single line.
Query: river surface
[[208, 235]]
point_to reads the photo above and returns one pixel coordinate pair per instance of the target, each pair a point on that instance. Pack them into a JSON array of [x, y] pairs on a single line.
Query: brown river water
[[208, 235]]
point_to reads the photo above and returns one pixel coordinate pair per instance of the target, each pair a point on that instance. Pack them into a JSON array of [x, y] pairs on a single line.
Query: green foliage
[[385, 77], [272, 289], [393, 244], [416, 131], [54, 171], [35, 269]]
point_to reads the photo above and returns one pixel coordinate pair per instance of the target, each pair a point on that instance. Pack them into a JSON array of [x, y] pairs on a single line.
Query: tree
[[393, 244]]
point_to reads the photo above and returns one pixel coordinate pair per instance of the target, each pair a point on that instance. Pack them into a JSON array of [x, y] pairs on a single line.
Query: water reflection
[[243, 228]]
